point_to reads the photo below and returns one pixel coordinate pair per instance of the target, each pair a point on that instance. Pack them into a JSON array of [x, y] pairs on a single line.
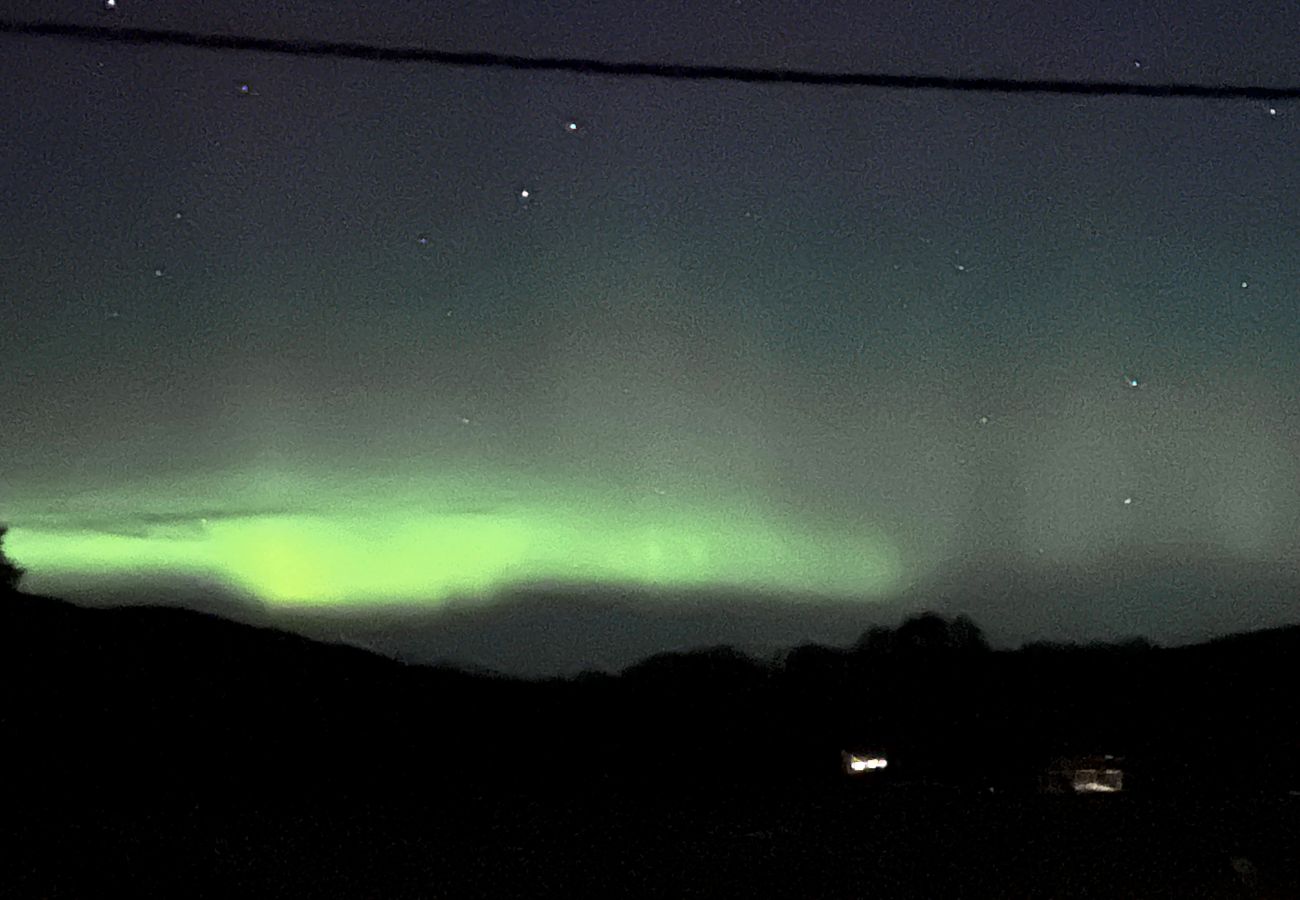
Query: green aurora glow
[[351, 552], [311, 344]]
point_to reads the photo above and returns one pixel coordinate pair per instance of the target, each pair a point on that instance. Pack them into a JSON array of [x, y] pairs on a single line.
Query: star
[[422, 240], [984, 420], [524, 194], [1272, 110], [571, 126], [1245, 284], [1132, 382], [110, 5], [1128, 501]]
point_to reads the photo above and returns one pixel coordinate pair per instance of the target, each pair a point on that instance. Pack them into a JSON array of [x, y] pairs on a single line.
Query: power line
[[155, 37]]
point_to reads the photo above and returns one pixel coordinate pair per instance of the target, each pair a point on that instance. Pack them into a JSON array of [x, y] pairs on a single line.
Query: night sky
[[335, 334]]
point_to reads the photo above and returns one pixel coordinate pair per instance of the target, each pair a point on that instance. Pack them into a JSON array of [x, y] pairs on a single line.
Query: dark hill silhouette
[[170, 746], [1172, 594], [188, 697], [541, 630], [1264, 640]]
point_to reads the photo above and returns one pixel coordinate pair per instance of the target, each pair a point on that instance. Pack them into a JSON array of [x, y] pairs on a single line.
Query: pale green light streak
[[362, 549]]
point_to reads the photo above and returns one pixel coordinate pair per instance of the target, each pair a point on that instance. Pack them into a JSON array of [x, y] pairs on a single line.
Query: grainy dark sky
[[344, 333]]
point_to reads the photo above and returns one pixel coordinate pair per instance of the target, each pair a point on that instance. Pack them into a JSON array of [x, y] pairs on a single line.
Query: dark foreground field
[[831, 843], [164, 753]]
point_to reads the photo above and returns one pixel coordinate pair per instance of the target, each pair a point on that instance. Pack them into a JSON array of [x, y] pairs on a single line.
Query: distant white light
[[1098, 781], [1272, 110], [1128, 501], [1094, 787], [866, 763], [984, 420], [1137, 63], [157, 273], [1131, 381], [525, 194], [1245, 284], [570, 127], [110, 4]]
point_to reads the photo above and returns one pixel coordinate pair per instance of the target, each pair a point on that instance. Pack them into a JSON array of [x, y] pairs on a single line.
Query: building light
[[859, 762], [1098, 781], [1094, 787]]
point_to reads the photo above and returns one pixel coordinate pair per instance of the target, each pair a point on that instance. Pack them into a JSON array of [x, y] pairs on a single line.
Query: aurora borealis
[[338, 333], [423, 550]]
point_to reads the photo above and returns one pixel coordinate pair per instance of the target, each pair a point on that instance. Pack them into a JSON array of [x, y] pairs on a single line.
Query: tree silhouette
[[932, 633], [10, 573], [965, 635], [875, 640]]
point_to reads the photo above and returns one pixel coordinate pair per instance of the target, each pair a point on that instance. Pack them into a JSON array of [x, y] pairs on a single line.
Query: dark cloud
[[1181, 595], [549, 628], [197, 591], [182, 525]]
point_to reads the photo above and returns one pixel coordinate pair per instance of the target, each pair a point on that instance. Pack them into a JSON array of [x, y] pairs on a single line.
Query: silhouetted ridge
[[113, 696]]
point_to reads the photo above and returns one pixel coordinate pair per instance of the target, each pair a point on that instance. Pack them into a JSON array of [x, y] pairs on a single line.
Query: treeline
[[189, 702], [949, 711]]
